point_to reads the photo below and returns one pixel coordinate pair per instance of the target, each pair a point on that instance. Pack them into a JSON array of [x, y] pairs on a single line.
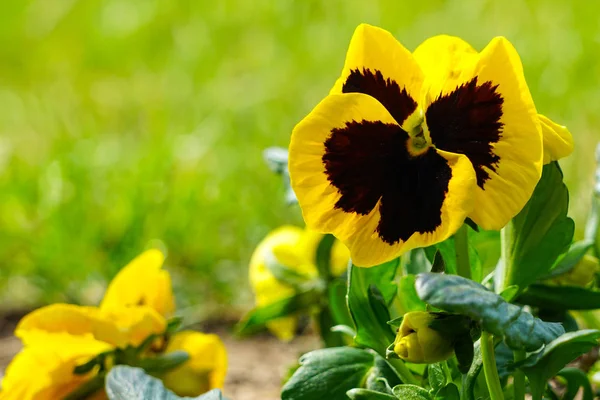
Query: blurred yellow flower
[[416, 342], [142, 282], [43, 370], [296, 249], [582, 274], [206, 368], [59, 337]]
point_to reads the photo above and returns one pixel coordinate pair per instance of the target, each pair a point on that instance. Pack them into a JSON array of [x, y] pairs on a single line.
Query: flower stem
[[503, 279], [519, 376], [461, 247], [403, 372], [489, 366]]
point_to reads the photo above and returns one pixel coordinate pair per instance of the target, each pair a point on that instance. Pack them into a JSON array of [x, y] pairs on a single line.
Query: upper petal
[[443, 60], [558, 142], [378, 65], [142, 282], [354, 177], [491, 118]]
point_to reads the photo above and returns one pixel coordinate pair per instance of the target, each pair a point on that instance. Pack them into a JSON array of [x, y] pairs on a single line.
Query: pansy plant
[[408, 145], [414, 160]]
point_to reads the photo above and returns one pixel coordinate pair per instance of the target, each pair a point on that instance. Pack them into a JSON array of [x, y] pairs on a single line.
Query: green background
[[126, 124]]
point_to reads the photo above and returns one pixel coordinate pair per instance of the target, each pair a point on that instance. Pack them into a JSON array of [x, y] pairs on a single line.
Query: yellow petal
[[117, 327], [339, 253], [443, 60], [558, 142], [67, 319], [135, 324], [378, 65], [44, 371], [348, 156], [491, 118], [416, 342], [206, 368], [142, 282]]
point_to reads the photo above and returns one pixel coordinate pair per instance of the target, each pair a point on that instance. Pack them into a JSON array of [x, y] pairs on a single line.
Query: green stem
[[519, 376], [506, 264], [461, 247], [403, 372], [489, 366]]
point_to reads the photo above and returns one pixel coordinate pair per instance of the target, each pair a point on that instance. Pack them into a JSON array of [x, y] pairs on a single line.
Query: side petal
[[378, 65], [142, 282], [67, 319], [354, 177], [558, 142], [206, 368], [443, 60], [52, 362], [491, 118], [135, 324]]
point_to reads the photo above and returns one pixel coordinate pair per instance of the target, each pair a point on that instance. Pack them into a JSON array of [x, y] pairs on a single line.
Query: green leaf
[[418, 261], [411, 392], [438, 264], [256, 319], [366, 394], [560, 297], [336, 291], [547, 363], [539, 234], [407, 295], [164, 362], [470, 379], [369, 311], [173, 324], [455, 294], [436, 376], [448, 392], [570, 260], [487, 246], [323, 258], [128, 383], [327, 374], [448, 252], [576, 379], [592, 228]]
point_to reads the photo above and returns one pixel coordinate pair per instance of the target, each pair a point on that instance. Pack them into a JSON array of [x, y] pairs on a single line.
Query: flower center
[[419, 140]]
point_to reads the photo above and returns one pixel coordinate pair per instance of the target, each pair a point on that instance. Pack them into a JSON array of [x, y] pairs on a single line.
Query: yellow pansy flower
[[408, 145], [416, 342], [43, 370], [142, 282], [59, 337], [206, 368], [294, 248]]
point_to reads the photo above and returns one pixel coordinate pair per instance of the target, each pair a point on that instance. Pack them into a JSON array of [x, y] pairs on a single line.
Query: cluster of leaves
[[522, 299]]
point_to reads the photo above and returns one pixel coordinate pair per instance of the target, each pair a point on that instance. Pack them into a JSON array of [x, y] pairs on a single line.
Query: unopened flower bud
[[417, 342], [582, 274]]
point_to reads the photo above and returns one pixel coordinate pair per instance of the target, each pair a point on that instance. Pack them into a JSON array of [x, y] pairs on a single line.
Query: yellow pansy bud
[[582, 274], [206, 368], [416, 342]]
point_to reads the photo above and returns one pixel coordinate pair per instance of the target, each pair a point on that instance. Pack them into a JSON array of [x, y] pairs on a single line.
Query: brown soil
[[257, 365]]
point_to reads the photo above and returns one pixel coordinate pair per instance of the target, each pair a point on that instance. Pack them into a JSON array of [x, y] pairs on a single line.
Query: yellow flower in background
[[206, 368], [43, 370], [142, 282], [294, 248], [416, 342], [59, 337], [582, 274], [408, 145]]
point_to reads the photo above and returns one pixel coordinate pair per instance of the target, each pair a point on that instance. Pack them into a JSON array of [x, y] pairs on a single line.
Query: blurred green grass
[[126, 124]]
